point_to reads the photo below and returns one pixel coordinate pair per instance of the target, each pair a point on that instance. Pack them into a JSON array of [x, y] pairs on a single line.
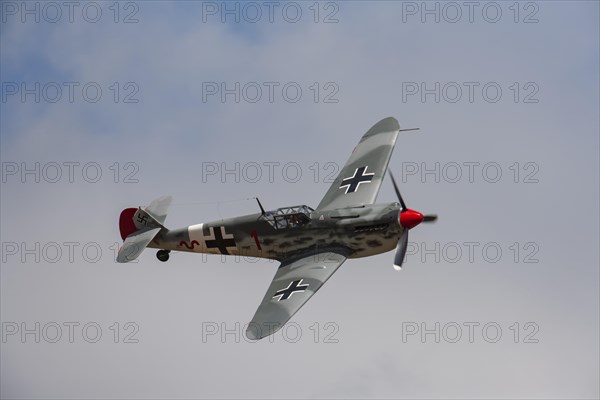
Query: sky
[[110, 105]]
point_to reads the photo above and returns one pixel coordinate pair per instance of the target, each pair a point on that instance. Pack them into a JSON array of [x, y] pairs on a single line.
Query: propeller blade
[[430, 218], [397, 191], [401, 250]]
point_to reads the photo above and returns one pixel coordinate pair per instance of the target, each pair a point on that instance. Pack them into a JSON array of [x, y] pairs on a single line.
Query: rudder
[[138, 227]]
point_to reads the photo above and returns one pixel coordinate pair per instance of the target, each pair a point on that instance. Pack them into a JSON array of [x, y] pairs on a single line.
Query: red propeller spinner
[[410, 218]]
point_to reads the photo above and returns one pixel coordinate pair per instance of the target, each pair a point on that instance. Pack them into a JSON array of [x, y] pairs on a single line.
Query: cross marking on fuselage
[[220, 242], [292, 288], [360, 176]]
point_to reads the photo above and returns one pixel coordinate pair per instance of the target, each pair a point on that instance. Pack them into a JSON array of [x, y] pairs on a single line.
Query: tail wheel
[[163, 255]]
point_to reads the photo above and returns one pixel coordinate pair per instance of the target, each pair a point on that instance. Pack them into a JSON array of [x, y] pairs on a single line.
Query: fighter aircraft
[[311, 244]]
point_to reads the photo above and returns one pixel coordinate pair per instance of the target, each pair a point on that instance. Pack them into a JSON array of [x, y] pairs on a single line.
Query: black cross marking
[[219, 242], [360, 176], [293, 287]]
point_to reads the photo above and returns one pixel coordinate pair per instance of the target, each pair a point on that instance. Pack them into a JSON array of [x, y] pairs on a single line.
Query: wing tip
[[252, 334], [388, 124], [254, 331]]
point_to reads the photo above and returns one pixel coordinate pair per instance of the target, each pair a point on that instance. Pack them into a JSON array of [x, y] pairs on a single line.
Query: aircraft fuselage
[[362, 231]]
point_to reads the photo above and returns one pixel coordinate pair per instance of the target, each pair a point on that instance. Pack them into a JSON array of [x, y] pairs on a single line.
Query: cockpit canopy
[[288, 217]]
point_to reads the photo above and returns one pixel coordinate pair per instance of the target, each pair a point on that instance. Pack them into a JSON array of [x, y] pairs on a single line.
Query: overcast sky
[[110, 105]]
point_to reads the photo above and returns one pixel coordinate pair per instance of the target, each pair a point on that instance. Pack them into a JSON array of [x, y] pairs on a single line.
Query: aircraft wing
[[294, 283], [359, 181]]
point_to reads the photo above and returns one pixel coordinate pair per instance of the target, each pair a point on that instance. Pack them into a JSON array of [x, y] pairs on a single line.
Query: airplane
[[311, 244]]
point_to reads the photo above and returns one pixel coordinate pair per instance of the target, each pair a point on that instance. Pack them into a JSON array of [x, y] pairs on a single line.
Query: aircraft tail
[[139, 226]]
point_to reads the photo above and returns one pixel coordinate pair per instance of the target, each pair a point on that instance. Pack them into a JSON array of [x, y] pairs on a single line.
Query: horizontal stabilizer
[[158, 208], [136, 243]]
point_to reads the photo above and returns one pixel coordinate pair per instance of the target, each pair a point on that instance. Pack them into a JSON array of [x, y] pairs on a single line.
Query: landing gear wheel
[[163, 255]]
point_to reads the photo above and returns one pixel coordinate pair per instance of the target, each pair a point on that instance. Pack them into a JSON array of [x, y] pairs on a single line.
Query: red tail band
[[126, 225]]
